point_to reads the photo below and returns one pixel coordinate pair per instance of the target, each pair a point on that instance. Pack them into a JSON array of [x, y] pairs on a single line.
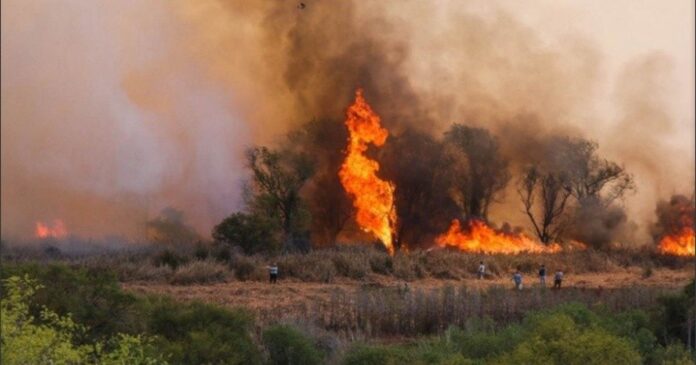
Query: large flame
[[479, 237], [372, 197], [682, 243], [56, 230]]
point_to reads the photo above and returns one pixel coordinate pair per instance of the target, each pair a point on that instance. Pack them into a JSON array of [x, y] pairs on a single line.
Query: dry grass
[[347, 262], [199, 272]]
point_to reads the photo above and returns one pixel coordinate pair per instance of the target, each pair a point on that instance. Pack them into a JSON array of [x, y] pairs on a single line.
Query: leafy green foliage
[[278, 176], [286, 346], [251, 232], [49, 338], [197, 333], [91, 297]]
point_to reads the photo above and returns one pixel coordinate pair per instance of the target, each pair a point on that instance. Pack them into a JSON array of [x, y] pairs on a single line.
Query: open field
[[293, 293]]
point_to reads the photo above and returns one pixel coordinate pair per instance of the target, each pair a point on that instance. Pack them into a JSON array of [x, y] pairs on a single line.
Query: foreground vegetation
[[76, 314]]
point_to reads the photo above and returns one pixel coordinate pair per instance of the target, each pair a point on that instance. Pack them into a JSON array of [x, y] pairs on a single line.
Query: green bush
[[374, 355], [197, 333], [556, 339], [49, 338], [251, 232], [92, 297], [287, 346], [244, 268]]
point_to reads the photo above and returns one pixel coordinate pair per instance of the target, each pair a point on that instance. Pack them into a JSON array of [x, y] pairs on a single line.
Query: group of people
[[517, 276]]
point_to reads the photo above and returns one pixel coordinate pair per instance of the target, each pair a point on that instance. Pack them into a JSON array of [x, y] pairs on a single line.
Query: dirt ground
[[261, 296]]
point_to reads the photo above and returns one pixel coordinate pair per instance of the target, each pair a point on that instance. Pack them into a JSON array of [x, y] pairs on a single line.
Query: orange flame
[[479, 237], [682, 243], [372, 197], [57, 230]]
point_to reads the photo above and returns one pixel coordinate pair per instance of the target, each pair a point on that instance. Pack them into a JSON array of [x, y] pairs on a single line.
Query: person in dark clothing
[[517, 279], [542, 276]]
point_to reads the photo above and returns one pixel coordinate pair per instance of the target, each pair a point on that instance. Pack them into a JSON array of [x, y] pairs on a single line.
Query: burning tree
[[674, 230], [483, 172], [421, 169], [169, 228], [330, 207]]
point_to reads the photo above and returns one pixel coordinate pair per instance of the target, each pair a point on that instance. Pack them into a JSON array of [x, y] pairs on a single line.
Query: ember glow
[[682, 243], [373, 198], [479, 237], [56, 230]]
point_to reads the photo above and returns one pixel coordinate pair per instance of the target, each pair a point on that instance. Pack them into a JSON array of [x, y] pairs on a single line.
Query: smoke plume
[[113, 111]]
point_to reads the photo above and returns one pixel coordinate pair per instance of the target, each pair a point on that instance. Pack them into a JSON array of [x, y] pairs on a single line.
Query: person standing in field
[[557, 279], [517, 278], [542, 276], [481, 270], [273, 271]]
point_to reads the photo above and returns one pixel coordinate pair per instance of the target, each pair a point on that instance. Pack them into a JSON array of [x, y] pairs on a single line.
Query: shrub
[[555, 339], [350, 266], [49, 338], [374, 355], [92, 297], [169, 258], [287, 346], [201, 252], [245, 268], [199, 272], [222, 254], [197, 333], [252, 232], [382, 264]]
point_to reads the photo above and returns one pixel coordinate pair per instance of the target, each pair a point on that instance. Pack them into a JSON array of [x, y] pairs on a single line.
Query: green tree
[[277, 178], [252, 232]]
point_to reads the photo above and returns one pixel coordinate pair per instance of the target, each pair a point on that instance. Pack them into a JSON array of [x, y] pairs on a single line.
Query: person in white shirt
[[273, 271], [481, 270]]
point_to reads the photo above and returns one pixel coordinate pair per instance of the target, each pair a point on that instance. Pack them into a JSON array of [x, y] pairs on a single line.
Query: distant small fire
[[55, 230], [682, 243], [480, 238]]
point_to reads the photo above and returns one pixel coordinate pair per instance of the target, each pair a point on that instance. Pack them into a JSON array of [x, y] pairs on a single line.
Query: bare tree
[[552, 189], [485, 172], [590, 176]]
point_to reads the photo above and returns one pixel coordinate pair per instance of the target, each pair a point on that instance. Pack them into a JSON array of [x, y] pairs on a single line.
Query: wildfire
[[479, 237], [57, 230], [682, 243], [372, 197]]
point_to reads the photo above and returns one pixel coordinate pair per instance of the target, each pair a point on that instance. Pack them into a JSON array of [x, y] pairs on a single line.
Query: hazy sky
[[114, 110]]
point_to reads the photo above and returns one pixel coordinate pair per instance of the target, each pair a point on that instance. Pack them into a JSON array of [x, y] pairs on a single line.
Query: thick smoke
[[673, 216], [112, 111], [105, 122]]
